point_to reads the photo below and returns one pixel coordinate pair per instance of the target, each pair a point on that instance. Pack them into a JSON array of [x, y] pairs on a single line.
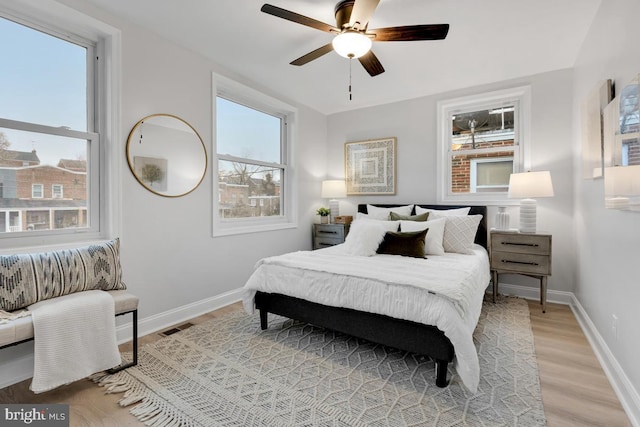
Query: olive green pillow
[[409, 244], [397, 217]]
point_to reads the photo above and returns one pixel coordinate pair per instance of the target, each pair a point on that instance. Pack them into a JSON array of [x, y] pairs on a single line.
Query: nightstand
[[325, 235], [528, 254]]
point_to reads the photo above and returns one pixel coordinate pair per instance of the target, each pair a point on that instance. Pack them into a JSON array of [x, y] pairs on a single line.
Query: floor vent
[[176, 329]]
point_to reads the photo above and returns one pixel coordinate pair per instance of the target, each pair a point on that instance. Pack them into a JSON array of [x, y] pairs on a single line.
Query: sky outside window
[[43, 80]]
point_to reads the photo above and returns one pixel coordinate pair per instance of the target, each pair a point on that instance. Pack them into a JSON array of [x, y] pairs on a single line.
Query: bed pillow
[[28, 278], [460, 233], [439, 213], [435, 236], [375, 212], [397, 217], [365, 235], [409, 244]]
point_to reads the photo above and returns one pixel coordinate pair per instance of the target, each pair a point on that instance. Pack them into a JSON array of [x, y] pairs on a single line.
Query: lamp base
[[528, 212], [334, 205]]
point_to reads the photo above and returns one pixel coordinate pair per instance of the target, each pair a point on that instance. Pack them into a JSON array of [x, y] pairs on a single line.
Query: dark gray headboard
[[481, 234]]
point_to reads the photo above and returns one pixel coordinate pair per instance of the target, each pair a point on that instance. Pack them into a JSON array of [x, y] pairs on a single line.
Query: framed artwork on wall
[[592, 109], [370, 167]]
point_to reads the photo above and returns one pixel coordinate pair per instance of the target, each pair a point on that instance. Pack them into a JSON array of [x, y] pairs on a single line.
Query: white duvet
[[445, 291]]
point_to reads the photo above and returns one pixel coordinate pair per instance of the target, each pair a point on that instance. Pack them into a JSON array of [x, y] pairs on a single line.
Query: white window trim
[[33, 191], [518, 95], [474, 169], [53, 17], [240, 93], [53, 191]]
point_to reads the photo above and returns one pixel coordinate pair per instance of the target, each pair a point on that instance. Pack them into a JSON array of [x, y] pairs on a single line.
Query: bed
[[417, 332]]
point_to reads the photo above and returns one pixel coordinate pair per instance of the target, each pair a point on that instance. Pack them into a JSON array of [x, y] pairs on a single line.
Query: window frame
[[474, 171], [520, 97], [103, 117], [244, 95], [54, 192], [34, 193]]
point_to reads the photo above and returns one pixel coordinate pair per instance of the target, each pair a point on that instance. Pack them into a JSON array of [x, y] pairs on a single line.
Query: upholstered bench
[[28, 278], [20, 330]]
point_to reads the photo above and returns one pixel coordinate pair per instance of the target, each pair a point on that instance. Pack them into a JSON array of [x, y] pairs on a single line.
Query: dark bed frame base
[[401, 334]]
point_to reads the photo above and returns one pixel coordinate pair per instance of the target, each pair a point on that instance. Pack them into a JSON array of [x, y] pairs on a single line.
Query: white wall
[[414, 123], [169, 257], [608, 241]]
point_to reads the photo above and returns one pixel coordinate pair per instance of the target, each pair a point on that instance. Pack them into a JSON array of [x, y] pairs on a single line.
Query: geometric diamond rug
[[228, 372]]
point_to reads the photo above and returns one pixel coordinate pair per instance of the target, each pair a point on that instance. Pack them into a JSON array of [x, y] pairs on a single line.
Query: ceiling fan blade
[[410, 33], [362, 12], [313, 55], [297, 18], [371, 63]]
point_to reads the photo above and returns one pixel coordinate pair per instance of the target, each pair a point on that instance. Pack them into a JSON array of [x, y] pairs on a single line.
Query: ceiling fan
[[353, 38]]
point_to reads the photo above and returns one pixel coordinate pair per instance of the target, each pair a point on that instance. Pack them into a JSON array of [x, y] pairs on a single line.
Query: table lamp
[[333, 190], [528, 186]]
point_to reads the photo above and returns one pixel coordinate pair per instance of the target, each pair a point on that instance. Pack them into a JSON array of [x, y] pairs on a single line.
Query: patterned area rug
[[228, 372]]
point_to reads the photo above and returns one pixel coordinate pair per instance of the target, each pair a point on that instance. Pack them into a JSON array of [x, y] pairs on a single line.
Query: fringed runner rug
[[227, 372]]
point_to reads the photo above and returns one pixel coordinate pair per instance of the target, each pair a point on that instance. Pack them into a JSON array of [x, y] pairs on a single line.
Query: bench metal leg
[[134, 362]]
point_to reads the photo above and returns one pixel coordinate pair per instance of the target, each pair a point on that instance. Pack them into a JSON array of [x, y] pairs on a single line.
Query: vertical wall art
[[370, 166], [592, 129]]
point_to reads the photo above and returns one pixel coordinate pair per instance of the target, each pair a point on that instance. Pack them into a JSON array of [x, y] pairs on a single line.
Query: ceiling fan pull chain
[[350, 61]]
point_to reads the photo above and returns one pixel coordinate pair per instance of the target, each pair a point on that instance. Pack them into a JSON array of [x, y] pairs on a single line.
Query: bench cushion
[[21, 329], [28, 278]]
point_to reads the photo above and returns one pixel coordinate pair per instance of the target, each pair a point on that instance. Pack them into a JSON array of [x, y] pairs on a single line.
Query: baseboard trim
[[16, 370], [624, 389], [622, 386], [20, 367], [533, 293], [161, 321]]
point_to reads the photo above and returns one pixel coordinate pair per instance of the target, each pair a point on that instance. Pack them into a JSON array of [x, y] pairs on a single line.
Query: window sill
[[230, 229]]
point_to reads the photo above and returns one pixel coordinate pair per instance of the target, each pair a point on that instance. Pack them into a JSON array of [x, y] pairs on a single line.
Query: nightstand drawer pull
[[506, 261], [534, 245], [327, 232], [326, 245]]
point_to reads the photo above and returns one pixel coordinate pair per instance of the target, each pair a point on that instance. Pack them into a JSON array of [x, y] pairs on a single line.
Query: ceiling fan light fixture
[[351, 44]]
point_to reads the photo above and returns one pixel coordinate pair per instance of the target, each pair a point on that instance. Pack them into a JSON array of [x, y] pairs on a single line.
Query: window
[[55, 95], [254, 179], [482, 140], [37, 191], [57, 191]]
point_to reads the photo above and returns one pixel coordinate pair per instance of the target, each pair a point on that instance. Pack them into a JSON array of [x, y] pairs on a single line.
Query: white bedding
[[450, 297]]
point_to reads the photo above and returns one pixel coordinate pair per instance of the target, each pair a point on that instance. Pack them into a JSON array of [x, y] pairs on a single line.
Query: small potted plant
[[324, 215]]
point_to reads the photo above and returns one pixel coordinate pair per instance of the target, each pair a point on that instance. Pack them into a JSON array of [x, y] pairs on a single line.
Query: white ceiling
[[488, 41]]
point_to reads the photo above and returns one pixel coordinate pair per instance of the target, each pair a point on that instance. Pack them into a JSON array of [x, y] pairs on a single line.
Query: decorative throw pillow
[[365, 236], [439, 213], [409, 244], [375, 212], [460, 233], [28, 278], [435, 236], [397, 217]]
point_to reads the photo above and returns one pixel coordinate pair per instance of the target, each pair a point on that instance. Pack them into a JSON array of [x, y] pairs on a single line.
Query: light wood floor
[[575, 390]]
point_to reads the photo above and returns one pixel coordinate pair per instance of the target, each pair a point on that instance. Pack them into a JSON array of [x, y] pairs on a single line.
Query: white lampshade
[[526, 186], [334, 189], [351, 44], [529, 185]]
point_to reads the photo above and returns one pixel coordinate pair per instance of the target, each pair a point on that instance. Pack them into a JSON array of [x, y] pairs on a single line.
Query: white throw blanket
[[406, 271], [75, 336]]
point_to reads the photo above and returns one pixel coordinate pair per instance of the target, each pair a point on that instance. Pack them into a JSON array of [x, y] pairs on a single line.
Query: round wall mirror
[[166, 155]]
